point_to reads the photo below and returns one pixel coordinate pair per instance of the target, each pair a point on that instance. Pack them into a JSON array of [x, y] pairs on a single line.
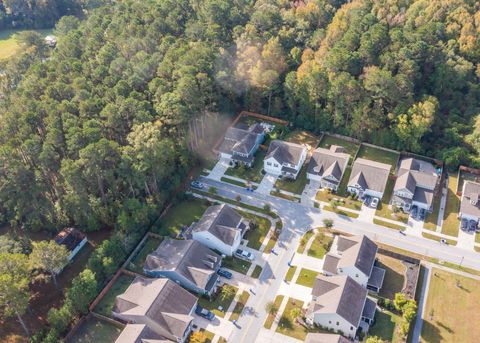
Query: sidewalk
[[422, 305]]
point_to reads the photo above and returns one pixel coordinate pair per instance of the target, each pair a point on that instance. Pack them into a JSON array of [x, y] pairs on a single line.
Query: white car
[[374, 203], [244, 255]]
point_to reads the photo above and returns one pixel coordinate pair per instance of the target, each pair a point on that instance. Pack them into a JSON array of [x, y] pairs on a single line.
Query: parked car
[[244, 255], [472, 225], [464, 225], [443, 241], [374, 203], [421, 214], [414, 211], [197, 185], [225, 273], [367, 200], [203, 312]]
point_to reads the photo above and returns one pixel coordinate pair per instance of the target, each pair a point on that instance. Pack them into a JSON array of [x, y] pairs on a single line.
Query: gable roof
[[341, 295], [414, 174], [470, 203], [221, 221], [189, 258], [358, 251], [240, 140], [285, 152], [328, 162], [140, 333], [369, 175], [325, 338], [160, 300]]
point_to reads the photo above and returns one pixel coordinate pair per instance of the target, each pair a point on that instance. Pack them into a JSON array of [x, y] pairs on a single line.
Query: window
[[329, 322], [269, 163], [338, 323], [275, 165], [351, 328], [356, 275]]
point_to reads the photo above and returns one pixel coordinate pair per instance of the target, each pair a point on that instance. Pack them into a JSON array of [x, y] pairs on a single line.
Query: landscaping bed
[[304, 240], [306, 277], [136, 264], [217, 301], [120, 285]]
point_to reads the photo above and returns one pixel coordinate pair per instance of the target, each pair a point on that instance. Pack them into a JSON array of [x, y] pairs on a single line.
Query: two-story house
[[327, 166], [187, 262], [240, 144], [368, 178], [284, 159], [160, 304], [221, 228], [470, 203], [340, 304], [416, 185]]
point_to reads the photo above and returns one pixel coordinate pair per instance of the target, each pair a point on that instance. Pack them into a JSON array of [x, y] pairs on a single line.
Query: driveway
[[219, 170], [466, 240], [367, 214], [309, 193], [414, 227], [267, 184], [219, 326]]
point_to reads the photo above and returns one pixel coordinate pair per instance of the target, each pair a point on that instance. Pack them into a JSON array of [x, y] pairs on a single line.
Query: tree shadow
[[430, 332], [446, 328]]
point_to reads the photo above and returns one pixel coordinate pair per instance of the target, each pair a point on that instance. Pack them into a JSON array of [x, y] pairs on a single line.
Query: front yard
[[105, 305], [321, 245], [242, 300], [450, 220], [451, 313], [304, 240], [328, 197], [236, 264], [218, 301], [257, 235], [384, 210], [271, 316], [379, 155], [136, 264], [394, 275], [306, 277], [253, 174], [293, 186]]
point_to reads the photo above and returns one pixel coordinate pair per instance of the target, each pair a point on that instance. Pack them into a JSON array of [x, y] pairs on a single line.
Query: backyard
[[394, 275], [306, 277], [451, 313], [120, 285], [294, 186], [385, 326], [379, 155], [8, 42], [136, 264], [253, 174], [303, 137], [384, 210], [218, 301], [94, 330], [450, 220], [350, 147]]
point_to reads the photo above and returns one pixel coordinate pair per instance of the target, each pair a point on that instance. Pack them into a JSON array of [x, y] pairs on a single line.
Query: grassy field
[[303, 137], [253, 174], [239, 306], [294, 186], [450, 221], [256, 236], [180, 215], [388, 224], [384, 210], [290, 273], [136, 264], [394, 275], [94, 330], [106, 304], [385, 325], [341, 212], [350, 147], [321, 244], [236, 264], [306, 277], [217, 302], [451, 313], [379, 155], [269, 321], [326, 196], [438, 238], [287, 326], [8, 42]]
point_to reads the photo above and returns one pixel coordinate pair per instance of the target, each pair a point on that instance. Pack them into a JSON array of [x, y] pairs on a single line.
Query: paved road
[[296, 220]]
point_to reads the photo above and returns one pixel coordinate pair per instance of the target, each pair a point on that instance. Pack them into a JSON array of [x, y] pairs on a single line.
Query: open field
[[8, 42], [379, 155], [450, 221], [253, 174], [105, 305], [350, 147], [180, 215], [94, 330], [136, 264], [451, 313], [394, 275]]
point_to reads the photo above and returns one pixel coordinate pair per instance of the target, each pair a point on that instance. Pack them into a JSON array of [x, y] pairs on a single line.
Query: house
[[470, 203], [72, 239], [368, 178], [327, 166], [415, 185], [241, 143], [325, 338], [341, 304], [284, 159], [355, 257], [139, 333], [187, 262], [221, 228], [160, 304]]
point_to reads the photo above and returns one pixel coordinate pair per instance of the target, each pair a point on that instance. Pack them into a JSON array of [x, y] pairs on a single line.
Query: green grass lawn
[[388, 224], [306, 277], [384, 210], [432, 217], [451, 313], [451, 223], [182, 214], [379, 155], [236, 264], [287, 326], [239, 306], [341, 212], [303, 137], [217, 302], [136, 264], [326, 196], [290, 273], [385, 325], [321, 244], [8, 42], [106, 304], [342, 187], [233, 182], [94, 330], [438, 238], [250, 174], [256, 272], [270, 317], [394, 275], [294, 186], [284, 196], [350, 147], [303, 242], [256, 236]]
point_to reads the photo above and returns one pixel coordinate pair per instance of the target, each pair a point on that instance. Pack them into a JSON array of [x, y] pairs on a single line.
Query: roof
[[159, 300], [189, 258], [369, 309], [328, 162], [241, 139], [139, 333], [325, 338], [330, 263], [415, 174], [358, 251], [221, 221], [285, 152], [369, 174], [339, 294], [69, 237], [470, 204], [376, 278]]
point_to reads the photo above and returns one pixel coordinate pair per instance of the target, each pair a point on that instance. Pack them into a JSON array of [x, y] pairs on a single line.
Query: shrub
[[267, 207], [60, 318]]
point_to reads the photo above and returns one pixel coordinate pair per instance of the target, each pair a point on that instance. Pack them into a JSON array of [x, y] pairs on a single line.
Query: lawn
[[294, 186], [385, 325], [270, 317], [106, 304], [303, 137], [342, 187], [379, 155], [321, 244], [136, 264], [239, 306], [384, 210], [253, 174], [327, 196], [233, 182], [341, 212], [350, 147], [432, 217], [217, 301], [94, 330], [306, 277], [8, 42], [394, 275], [438, 238], [257, 235], [451, 313], [388, 224], [179, 215], [303, 242], [290, 273], [284, 196], [450, 221], [256, 272], [236, 264]]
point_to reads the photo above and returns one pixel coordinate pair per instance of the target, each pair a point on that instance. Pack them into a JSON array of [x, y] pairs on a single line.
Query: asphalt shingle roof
[[370, 174], [285, 152], [328, 162], [470, 204], [360, 253]]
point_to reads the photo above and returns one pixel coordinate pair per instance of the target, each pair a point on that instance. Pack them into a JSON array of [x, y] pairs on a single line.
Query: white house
[[327, 166], [284, 159], [240, 144], [470, 204], [340, 304], [368, 178], [415, 185], [221, 228]]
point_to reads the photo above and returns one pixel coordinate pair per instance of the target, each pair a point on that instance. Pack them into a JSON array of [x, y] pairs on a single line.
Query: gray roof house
[[340, 303], [325, 338], [327, 166], [416, 184], [368, 178], [221, 228], [241, 143], [187, 262], [284, 158], [355, 256], [140, 333], [160, 304], [470, 203]]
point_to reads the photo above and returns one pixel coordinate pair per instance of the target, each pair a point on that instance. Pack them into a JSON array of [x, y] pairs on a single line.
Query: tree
[[399, 301], [227, 292], [267, 208], [212, 190], [238, 198], [198, 337], [271, 308], [295, 313], [328, 223], [50, 257], [82, 291]]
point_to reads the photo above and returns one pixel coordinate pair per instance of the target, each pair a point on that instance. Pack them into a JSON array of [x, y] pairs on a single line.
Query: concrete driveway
[[219, 170], [309, 193], [267, 184], [367, 214], [219, 326], [466, 240]]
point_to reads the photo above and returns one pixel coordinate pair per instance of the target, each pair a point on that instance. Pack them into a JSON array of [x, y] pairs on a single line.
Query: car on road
[[374, 203], [197, 185], [444, 241], [225, 273], [421, 214], [414, 211], [244, 255], [464, 225], [203, 312]]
